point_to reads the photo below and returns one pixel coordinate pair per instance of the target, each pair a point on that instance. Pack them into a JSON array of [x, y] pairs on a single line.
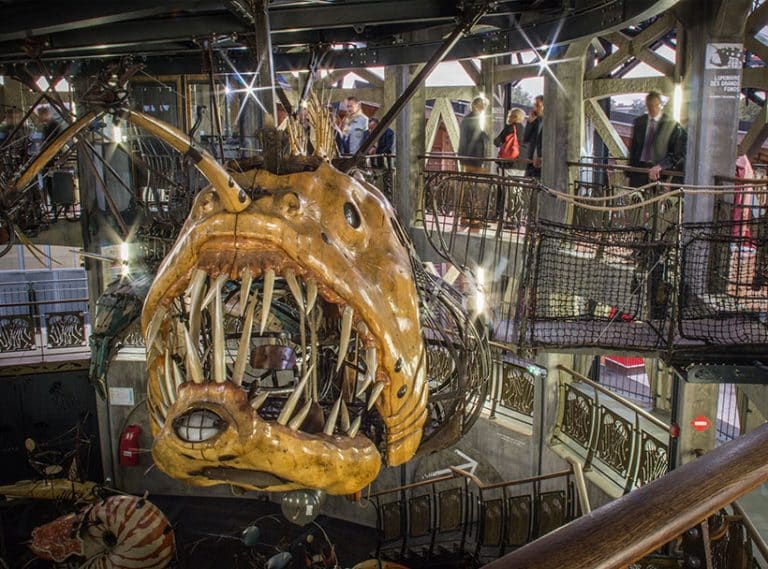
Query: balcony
[[44, 317]]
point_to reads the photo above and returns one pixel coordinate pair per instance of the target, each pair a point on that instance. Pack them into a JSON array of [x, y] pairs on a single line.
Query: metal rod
[[410, 90], [626, 402], [110, 202], [265, 67], [581, 486], [36, 302], [214, 100], [518, 482], [29, 112], [754, 535]]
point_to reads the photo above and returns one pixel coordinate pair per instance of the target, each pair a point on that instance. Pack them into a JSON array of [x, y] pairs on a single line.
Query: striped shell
[[121, 532]]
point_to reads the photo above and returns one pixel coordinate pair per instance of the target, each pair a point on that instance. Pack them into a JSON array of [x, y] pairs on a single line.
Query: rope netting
[[625, 275]]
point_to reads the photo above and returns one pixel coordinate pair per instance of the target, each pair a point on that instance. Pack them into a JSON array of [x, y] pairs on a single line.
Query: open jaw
[[264, 378]]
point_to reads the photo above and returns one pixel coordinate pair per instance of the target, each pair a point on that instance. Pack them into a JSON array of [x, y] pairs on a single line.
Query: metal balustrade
[[630, 279], [458, 516], [512, 386], [46, 320], [613, 436]]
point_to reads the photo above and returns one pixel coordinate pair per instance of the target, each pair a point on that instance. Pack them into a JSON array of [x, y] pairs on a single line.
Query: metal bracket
[[696, 547], [363, 57]]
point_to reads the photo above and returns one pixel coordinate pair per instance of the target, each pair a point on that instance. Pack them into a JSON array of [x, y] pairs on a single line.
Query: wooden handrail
[[640, 522], [452, 156], [626, 402], [754, 535], [418, 484], [528, 480], [620, 168], [746, 181]]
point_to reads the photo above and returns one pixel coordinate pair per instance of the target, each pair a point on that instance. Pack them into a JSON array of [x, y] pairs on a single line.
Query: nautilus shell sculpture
[[119, 532]]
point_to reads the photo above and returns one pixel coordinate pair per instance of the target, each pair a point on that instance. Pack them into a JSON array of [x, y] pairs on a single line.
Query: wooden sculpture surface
[[315, 255]]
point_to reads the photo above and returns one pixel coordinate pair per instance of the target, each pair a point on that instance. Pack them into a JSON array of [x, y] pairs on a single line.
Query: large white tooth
[[194, 368], [355, 426], [311, 294], [219, 340], [178, 378], [259, 400], [293, 284], [346, 331], [156, 415], [245, 342], [290, 405], [330, 424], [195, 290], [364, 386], [154, 326], [266, 303], [300, 416], [167, 383], [215, 290], [371, 363], [375, 392], [245, 289], [344, 417]]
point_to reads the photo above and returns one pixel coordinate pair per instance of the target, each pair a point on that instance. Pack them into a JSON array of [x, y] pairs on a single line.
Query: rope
[[680, 191]]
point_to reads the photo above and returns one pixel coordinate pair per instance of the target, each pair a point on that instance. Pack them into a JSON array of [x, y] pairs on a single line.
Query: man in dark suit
[[533, 137], [658, 143]]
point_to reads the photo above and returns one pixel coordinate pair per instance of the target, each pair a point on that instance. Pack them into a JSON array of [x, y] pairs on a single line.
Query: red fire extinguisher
[[129, 446]]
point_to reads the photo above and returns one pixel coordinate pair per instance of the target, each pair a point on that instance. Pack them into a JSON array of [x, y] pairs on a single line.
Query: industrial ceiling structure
[[167, 36]]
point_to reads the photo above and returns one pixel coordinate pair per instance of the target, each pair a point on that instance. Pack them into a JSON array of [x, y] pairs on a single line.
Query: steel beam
[[469, 20], [24, 19]]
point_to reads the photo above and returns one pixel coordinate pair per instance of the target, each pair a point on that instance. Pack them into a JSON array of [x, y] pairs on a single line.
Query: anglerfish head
[[283, 342]]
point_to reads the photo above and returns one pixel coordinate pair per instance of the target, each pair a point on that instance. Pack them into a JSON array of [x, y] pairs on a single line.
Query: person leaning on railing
[[658, 143]]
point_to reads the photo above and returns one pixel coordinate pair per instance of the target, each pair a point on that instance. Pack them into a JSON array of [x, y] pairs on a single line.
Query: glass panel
[[158, 101]]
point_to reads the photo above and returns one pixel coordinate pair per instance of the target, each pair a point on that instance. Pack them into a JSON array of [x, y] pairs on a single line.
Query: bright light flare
[[677, 102], [479, 299], [125, 255]]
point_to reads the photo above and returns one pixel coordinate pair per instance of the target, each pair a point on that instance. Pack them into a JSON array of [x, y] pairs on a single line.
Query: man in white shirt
[[355, 127], [658, 143]]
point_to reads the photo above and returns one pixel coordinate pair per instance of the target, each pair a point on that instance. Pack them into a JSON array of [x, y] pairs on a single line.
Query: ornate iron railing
[[632, 278], [688, 502], [615, 437], [32, 333], [513, 386], [379, 170], [459, 516]]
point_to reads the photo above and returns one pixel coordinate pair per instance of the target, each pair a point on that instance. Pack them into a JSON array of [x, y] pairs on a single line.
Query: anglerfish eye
[[198, 425], [352, 215]]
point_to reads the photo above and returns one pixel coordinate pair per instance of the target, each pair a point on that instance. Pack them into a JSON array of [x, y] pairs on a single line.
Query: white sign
[[723, 70], [121, 396], [724, 56]]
